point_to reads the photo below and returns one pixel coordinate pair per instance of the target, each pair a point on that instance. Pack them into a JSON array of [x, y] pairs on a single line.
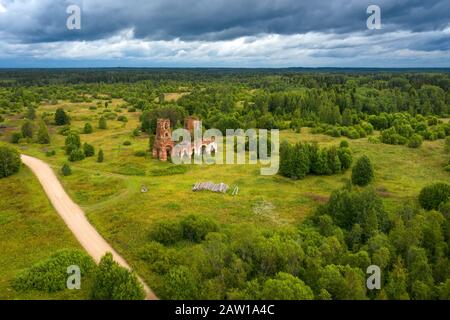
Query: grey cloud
[[212, 20]]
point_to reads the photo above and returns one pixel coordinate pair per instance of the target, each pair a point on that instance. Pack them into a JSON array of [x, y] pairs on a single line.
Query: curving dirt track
[[74, 217]]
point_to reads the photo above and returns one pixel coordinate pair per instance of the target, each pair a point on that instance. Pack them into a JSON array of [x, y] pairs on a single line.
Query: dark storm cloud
[[212, 20]]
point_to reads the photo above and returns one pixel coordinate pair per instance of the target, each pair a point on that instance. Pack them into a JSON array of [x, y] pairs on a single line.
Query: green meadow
[[110, 192], [30, 230]]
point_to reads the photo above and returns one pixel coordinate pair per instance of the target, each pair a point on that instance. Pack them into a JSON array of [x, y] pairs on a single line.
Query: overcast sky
[[225, 33]]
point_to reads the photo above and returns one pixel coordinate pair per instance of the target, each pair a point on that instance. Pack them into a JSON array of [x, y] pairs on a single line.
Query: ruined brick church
[[163, 146]]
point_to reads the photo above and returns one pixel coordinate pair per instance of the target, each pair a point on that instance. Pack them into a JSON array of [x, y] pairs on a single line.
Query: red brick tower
[[163, 144], [190, 123]]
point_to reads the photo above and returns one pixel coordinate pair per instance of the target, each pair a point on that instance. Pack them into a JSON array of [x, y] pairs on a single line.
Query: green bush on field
[[50, 275], [140, 153], [100, 156], [61, 117], [9, 161], [27, 129], [167, 232], [193, 228], [76, 155], [344, 144], [50, 153], [88, 128], [65, 130], [432, 196], [122, 118], [415, 141], [113, 282], [66, 170], [15, 137], [89, 150], [43, 135], [72, 142], [159, 258], [102, 123], [362, 172]]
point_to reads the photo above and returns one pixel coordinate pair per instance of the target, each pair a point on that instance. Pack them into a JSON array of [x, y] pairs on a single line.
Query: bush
[[112, 282], [100, 156], [345, 157], [72, 142], [136, 132], [43, 136], [167, 232], [61, 118], [76, 155], [102, 123], [127, 143], [9, 161], [66, 170], [50, 275], [89, 150], [353, 134], [344, 144], [50, 153], [415, 141], [27, 129], [15, 137], [140, 153], [362, 173], [432, 196], [122, 119], [195, 228], [390, 136], [159, 258], [64, 131], [88, 128]]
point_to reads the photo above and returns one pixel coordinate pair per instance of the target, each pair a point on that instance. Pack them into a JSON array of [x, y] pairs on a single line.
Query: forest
[[363, 180]]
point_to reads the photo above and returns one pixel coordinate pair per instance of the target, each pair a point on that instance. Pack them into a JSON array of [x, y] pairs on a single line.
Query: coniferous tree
[[43, 135], [61, 117], [362, 173]]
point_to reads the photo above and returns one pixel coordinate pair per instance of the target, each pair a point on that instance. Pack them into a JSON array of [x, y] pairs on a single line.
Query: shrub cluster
[[432, 196], [50, 275], [110, 281], [404, 129], [9, 161], [352, 132], [193, 228]]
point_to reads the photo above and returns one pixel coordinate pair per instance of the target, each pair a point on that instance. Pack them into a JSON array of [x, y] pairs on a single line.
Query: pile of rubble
[[220, 188]]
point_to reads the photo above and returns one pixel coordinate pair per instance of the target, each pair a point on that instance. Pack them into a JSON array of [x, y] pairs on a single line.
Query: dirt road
[[74, 217]]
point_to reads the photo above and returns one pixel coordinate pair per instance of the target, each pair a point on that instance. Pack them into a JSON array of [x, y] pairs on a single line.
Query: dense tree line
[[325, 257], [301, 159], [239, 98]]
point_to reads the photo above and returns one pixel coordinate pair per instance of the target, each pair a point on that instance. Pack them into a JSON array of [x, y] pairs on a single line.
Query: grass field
[[30, 230], [110, 193]]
